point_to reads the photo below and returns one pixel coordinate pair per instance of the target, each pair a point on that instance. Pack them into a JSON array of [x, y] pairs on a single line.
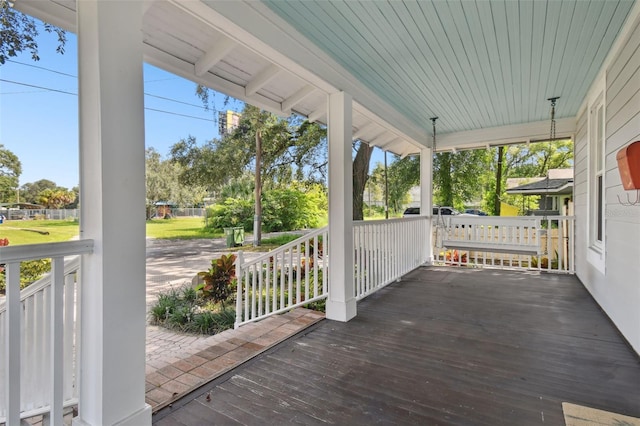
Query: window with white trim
[[596, 175]]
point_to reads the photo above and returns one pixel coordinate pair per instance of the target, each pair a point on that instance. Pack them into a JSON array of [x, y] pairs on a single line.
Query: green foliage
[[219, 281], [18, 33], [402, 175], [292, 149], [56, 198], [458, 178], [181, 309], [283, 210], [162, 183], [30, 271], [231, 213], [29, 191], [10, 170], [290, 209]]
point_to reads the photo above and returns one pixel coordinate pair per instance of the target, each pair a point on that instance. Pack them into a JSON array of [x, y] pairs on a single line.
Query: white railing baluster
[[57, 342], [69, 307], [12, 348], [273, 281], [523, 242]]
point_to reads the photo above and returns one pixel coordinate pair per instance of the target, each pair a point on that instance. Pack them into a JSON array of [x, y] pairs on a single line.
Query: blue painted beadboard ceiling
[[475, 64]]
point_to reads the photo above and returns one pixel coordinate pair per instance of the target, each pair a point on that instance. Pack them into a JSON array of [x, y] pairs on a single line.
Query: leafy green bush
[[30, 271], [282, 210], [231, 213], [181, 309]]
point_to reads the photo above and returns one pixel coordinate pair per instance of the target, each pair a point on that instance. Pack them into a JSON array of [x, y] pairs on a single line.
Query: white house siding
[[618, 289]]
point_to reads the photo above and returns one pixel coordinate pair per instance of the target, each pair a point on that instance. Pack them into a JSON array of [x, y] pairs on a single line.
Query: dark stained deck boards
[[443, 346]]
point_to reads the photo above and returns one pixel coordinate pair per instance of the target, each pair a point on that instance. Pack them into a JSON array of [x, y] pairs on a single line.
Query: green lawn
[[24, 231], [183, 228]]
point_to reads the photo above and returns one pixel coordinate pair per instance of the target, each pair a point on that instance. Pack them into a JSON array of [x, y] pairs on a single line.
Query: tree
[[10, 171], [18, 33], [29, 192], [520, 161], [360, 177], [162, 183], [402, 175], [56, 198], [275, 150], [459, 177]]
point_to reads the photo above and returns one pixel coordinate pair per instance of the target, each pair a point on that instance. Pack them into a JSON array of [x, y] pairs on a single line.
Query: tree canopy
[[10, 171], [292, 149], [162, 182], [18, 33]]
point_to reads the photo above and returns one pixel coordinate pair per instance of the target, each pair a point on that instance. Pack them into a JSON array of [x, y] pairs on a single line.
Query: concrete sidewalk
[[178, 363]]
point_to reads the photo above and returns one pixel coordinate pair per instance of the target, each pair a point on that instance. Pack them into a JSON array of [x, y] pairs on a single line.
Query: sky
[[40, 124], [39, 112]]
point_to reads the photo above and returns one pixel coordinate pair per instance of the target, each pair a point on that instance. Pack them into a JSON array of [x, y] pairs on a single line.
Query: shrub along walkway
[[178, 363]]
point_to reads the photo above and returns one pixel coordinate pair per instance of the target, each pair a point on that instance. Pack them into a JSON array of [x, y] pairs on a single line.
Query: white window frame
[[596, 252]]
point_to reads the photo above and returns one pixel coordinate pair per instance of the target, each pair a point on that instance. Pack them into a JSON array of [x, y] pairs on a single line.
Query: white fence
[[293, 275], [56, 214], [40, 328], [527, 243], [385, 250]]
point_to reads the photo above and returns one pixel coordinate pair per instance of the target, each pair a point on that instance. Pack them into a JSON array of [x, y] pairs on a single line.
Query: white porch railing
[[293, 275], [39, 331], [527, 243], [384, 250]]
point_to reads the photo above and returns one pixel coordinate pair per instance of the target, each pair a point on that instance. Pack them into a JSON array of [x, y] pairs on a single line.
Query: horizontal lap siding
[[580, 188], [618, 291]]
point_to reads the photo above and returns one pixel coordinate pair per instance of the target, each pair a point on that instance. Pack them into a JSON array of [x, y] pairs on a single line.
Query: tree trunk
[[257, 219], [360, 176], [496, 196]]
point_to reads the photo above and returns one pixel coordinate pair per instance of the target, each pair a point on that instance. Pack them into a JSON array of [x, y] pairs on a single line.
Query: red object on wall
[[629, 165]]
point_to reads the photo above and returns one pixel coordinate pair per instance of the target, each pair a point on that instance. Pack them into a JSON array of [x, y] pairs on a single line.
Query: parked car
[[410, 211], [476, 212], [444, 211]]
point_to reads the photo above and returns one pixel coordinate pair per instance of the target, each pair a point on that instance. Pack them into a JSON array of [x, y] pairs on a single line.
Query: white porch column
[[341, 305], [426, 194], [112, 170]]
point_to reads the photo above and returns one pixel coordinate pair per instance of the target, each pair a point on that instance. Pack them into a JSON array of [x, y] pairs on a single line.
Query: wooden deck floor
[[443, 346]]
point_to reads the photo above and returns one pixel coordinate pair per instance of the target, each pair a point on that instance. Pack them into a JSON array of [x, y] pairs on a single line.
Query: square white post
[[112, 173], [341, 305], [426, 194]]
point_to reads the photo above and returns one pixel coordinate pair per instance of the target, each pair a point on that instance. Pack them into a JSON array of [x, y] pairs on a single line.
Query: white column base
[[340, 311], [141, 417]]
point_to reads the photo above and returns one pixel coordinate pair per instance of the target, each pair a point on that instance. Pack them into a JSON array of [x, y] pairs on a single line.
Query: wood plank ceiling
[[478, 65]]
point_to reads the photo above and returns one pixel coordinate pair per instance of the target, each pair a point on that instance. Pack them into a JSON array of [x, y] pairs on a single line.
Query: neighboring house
[[555, 191], [372, 71]]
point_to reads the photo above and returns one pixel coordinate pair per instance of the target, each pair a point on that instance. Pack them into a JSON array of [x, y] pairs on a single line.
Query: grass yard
[[182, 228], [21, 232]]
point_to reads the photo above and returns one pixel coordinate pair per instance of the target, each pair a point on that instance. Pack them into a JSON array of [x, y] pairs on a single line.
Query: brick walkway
[[179, 363]]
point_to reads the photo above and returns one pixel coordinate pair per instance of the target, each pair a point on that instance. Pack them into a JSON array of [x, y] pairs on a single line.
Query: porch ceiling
[[485, 68]]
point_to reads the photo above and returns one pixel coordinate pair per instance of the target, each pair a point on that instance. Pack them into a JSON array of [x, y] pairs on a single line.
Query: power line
[[75, 94], [180, 115], [42, 68], [39, 87], [74, 76]]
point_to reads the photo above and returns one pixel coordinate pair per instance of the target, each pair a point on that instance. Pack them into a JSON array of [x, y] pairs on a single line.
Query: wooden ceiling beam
[[213, 56]]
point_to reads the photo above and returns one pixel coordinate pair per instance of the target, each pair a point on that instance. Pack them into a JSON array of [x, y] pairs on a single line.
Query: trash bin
[[238, 236], [234, 236]]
